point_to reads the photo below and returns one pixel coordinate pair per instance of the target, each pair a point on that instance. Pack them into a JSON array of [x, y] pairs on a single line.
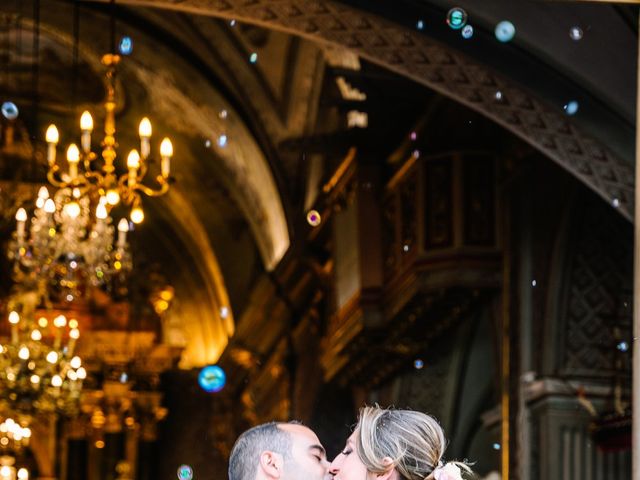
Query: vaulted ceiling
[[234, 209]]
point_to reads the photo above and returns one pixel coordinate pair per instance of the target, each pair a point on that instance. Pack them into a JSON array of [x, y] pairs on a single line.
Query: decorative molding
[[441, 68]]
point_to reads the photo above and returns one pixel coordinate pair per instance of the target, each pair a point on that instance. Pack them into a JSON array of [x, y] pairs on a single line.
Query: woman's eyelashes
[[346, 451]]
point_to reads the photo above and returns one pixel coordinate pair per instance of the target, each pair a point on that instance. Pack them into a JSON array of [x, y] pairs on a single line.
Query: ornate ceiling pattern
[[443, 69]]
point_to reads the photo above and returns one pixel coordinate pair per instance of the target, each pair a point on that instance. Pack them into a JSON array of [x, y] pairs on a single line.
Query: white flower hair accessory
[[448, 472]]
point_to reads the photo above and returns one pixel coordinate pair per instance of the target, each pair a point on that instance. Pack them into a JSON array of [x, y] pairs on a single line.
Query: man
[[283, 451]]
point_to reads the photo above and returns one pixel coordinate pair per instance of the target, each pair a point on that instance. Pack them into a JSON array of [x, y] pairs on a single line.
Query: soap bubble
[[571, 107], [126, 46], [10, 110], [575, 33], [505, 31], [467, 32], [313, 218], [456, 18], [185, 472], [212, 379]]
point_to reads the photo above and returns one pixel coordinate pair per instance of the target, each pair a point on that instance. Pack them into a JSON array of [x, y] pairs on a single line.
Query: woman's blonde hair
[[413, 441]]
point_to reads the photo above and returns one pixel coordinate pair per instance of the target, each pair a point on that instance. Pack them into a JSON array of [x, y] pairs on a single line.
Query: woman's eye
[[346, 451]]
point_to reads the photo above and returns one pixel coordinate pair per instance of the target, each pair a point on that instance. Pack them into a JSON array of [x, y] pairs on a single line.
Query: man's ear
[[271, 464]]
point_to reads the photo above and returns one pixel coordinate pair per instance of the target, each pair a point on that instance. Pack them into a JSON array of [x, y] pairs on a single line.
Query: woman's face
[[347, 465]]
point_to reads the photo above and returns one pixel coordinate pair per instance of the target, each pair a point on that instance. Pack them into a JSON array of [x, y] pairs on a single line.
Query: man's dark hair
[[244, 458]]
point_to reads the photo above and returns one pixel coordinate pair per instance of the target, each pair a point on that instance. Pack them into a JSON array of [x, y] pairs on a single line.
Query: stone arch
[[443, 69]]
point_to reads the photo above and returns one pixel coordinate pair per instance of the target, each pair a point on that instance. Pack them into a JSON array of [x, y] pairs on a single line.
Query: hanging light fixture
[[38, 369], [69, 244], [94, 174]]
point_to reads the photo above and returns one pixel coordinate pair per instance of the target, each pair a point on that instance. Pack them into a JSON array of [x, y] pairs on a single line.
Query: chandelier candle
[[52, 138], [21, 218], [86, 126], [14, 319], [144, 130]]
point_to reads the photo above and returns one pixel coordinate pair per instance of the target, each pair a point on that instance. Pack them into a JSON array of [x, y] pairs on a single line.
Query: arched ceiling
[[386, 35], [232, 211]]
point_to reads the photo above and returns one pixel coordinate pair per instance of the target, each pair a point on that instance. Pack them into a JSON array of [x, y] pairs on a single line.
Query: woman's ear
[[391, 473], [270, 465]]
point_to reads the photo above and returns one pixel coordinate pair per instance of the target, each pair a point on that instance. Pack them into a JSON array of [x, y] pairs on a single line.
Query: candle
[[21, 218], [73, 157], [86, 125], [144, 130], [166, 152], [133, 163], [123, 228], [14, 319], [52, 138]]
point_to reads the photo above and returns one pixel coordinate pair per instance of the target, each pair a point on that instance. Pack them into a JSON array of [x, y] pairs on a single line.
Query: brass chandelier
[[95, 174], [71, 240]]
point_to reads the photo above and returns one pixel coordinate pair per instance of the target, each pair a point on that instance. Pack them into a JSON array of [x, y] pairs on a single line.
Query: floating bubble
[[623, 346], [615, 202], [224, 312], [467, 32], [413, 136], [10, 110], [124, 378], [223, 114], [185, 472], [505, 31], [420, 25], [418, 364], [533, 283], [571, 107], [575, 33], [496, 446], [416, 153], [222, 140], [232, 23], [125, 46], [313, 218], [207, 143], [212, 378], [405, 248], [253, 58], [456, 18], [498, 95]]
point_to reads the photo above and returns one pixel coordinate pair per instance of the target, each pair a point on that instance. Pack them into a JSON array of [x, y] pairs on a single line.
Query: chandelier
[[14, 436], [71, 238], [94, 174], [38, 369], [68, 245]]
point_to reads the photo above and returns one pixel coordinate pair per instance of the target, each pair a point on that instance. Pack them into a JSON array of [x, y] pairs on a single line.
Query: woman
[[395, 445]]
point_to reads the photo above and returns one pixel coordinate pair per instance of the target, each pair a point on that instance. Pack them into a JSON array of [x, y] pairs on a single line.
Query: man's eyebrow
[[320, 448]]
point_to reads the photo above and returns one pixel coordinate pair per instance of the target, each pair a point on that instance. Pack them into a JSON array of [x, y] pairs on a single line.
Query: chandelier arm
[[150, 192], [87, 159], [52, 178]]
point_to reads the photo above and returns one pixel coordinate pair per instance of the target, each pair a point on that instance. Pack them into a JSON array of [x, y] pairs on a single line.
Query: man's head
[[284, 451]]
